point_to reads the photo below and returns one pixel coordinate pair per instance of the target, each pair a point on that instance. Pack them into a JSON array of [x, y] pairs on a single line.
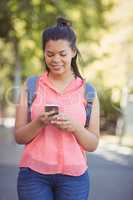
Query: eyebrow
[[48, 51]]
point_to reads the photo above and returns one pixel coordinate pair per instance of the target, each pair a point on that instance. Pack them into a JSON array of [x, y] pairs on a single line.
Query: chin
[[57, 71]]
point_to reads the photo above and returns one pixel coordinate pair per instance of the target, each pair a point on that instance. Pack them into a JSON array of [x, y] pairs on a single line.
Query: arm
[[86, 137], [24, 131], [89, 137]]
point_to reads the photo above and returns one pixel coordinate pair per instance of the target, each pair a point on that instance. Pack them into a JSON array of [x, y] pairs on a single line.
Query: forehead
[[57, 45]]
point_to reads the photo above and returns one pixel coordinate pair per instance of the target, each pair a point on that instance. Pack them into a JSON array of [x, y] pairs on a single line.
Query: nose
[[56, 58]]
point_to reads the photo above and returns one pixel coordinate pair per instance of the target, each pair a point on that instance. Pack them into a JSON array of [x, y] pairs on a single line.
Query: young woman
[[53, 165]]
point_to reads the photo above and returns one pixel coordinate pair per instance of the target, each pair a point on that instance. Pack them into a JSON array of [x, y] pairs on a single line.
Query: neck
[[61, 77]]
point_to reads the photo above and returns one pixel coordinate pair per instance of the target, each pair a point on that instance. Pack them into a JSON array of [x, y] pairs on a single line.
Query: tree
[[23, 21]]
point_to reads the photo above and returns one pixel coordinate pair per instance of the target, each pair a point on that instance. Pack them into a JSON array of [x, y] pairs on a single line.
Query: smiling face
[[58, 55]]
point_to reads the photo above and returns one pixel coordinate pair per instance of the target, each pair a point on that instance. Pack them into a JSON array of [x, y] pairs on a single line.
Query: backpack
[[89, 97]]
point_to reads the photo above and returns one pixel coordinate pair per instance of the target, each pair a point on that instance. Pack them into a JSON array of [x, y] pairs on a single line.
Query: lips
[[57, 67]]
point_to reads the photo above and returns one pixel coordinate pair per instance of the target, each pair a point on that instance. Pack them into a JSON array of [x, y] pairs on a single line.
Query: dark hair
[[63, 30]]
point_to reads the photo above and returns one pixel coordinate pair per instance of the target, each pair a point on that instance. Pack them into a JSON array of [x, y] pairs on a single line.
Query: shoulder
[[90, 91], [90, 86], [31, 81], [91, 95]]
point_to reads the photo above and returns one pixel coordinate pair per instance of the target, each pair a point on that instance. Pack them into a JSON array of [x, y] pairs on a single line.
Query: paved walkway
[[111, 168]]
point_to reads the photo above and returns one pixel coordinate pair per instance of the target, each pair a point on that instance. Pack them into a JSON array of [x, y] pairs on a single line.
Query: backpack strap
[[31, 90], [90, 94]]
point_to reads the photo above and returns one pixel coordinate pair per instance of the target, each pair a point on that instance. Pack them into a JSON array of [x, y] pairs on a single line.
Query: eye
[[63, 54], [50, 55]]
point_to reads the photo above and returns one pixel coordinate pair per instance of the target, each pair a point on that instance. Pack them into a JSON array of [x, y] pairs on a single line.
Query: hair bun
[[63, 22]]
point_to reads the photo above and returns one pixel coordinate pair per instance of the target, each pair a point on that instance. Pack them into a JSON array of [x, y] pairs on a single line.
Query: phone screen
[[52, 108]]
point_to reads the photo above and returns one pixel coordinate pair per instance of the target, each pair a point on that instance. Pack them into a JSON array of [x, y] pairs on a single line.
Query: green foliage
[[131, 90], [110, 111], [22, 23]]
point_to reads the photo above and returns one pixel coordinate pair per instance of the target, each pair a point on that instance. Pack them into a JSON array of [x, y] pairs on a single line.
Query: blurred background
[[104, 31]]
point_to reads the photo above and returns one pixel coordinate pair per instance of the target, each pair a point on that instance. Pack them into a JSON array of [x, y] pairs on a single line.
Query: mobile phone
[[52, 107]]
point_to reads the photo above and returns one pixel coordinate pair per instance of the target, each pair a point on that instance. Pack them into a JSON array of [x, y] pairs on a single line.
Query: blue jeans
[[32, 185]]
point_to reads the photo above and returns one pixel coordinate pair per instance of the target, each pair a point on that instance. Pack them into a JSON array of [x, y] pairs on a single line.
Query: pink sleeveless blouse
[[55, 151]]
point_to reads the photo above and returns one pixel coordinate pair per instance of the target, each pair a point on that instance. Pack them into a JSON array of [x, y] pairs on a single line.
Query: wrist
[[38, 123]]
